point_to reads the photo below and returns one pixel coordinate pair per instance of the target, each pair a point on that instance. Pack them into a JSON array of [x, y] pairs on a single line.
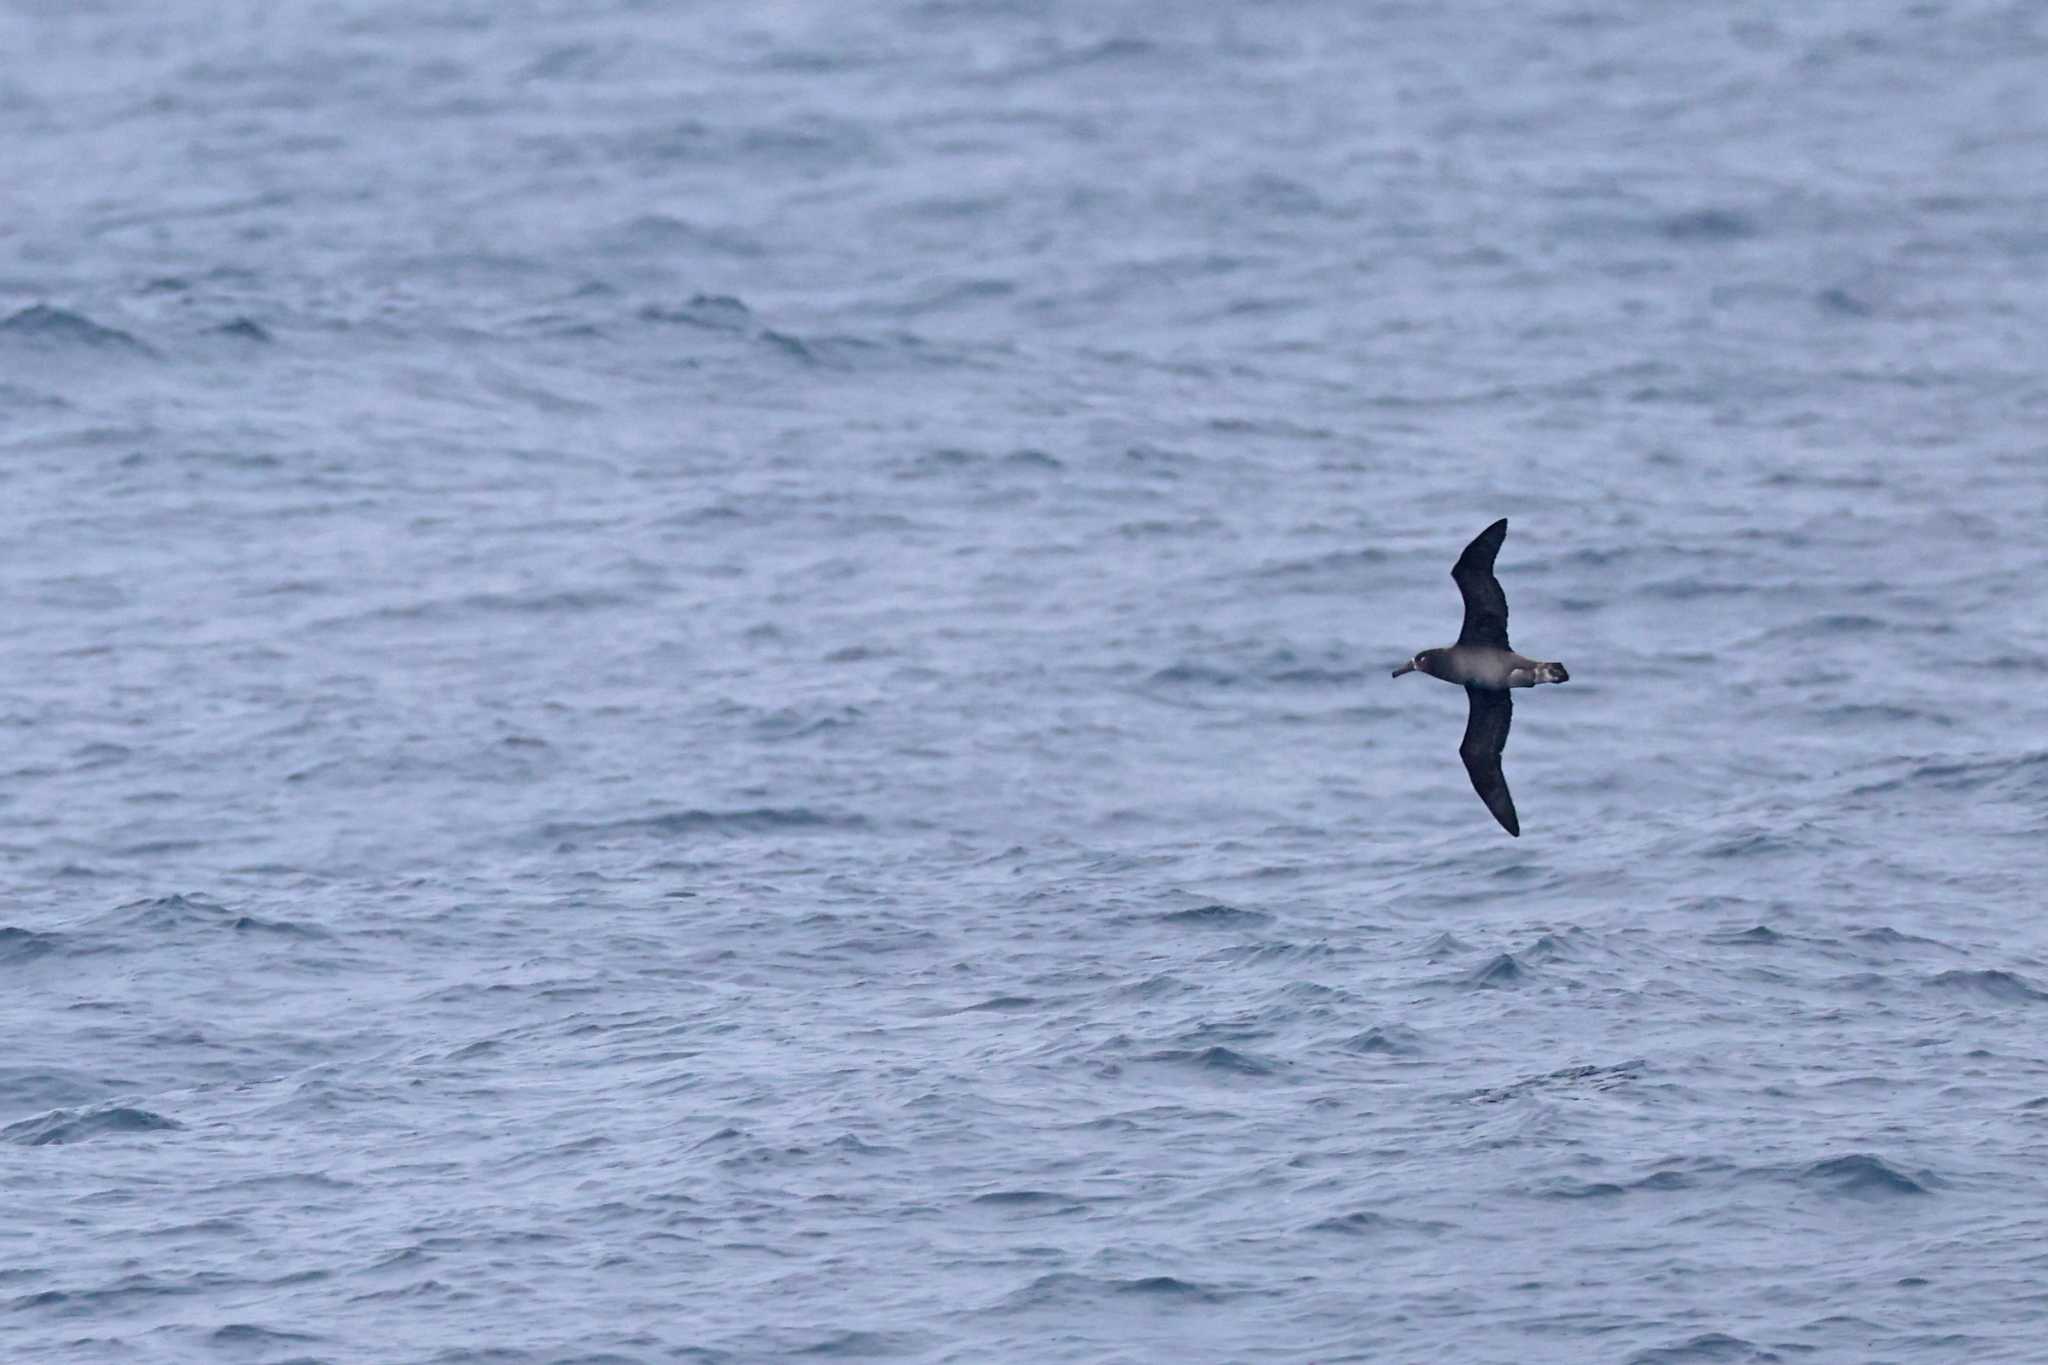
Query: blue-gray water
[[711, 682]]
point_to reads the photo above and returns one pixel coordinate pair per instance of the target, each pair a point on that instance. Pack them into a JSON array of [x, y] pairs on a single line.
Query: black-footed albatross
[[1483, 664]]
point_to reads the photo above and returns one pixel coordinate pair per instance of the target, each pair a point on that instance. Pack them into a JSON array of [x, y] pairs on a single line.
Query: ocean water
[[711, 682]]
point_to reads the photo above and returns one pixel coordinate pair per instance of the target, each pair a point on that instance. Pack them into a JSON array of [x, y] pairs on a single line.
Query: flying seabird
[[1483, 664]]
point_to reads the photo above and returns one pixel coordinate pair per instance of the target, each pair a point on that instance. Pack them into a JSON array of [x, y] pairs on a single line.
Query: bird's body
[[1484, 665]]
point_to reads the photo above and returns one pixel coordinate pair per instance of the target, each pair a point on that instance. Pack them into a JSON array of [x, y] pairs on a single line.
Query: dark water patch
[[1283, 429], [19, 945], [1272, 953], [168, 914], [252, 924], [1692, 589], [1757, 936], [944, 460], [1043, 1200], [1844, 627], [1753, 844], [1992, 983], [2009, 661], [1844, 301], [1120, 58], [249, 1335], [1862, 1176], [1390, 1040], [713, 312], [676, 824], [1707, 225], [299, 1182], [1333, 570], [57, 329], [856, 1145], [1309, 675], [1189, 674], [664, 235], [2026, 773], [1568, 1188], [791, 723], [1885, 935], [1879, 713], [1001, 1004], [242, 329], [1159, 461], [1708, 1348], [204, 1227], [14, 396], [1216, 916], [1855, 983], [1215, 1058], [1160, 985], [830, 353], [1033, 460], [1582, 1077], [938, 296], [157, 848], [1066, 1288], [1521, 871], [882, 940], [1368, 1223], [83, 1125], [864, 1345], [1501, 969], [1442, 945], [1166, 1286], [34, 1088], [543, 602]]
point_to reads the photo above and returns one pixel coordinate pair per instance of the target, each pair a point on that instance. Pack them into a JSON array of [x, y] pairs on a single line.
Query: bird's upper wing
[[1486, 734], [1486, 606]]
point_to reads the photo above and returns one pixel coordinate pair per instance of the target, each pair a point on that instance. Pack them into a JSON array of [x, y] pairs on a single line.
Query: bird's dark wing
[[1486, 606], [1486, 734]]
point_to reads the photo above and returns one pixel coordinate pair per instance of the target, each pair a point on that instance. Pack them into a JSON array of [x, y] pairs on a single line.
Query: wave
[[1216, 1058], [1585, 1076], [83, 1125], [1217, 916], [2020, 774], [56, 329], [1065, 1287], [670, 824], [1862, 1176], [1393, 1040], [1992, 983], [1502, 969], [19, 945], [1705, 1349]]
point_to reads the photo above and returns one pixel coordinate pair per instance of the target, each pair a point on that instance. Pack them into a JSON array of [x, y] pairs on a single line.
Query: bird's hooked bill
[[1408, 667]]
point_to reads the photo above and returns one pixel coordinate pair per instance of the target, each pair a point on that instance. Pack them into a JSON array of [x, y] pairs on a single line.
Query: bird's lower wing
[[1486, 735]]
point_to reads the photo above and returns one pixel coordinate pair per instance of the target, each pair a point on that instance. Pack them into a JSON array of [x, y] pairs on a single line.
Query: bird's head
[[1425, 662]]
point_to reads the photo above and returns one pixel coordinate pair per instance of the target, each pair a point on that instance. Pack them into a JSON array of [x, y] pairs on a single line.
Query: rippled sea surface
[[711, 682]]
